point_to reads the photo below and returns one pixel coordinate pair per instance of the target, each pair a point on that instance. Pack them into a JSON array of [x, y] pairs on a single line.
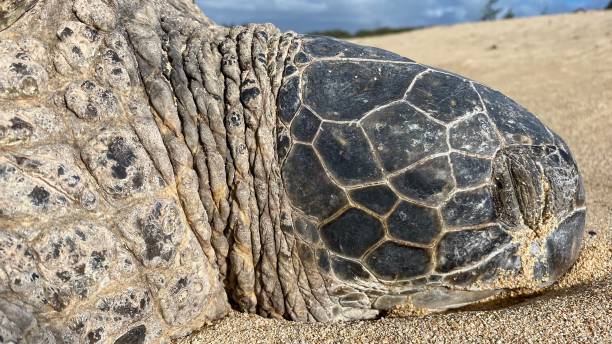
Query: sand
[[560, 68]]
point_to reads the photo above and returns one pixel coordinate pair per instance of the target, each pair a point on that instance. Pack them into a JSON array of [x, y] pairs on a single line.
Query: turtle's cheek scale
[[420, 186]]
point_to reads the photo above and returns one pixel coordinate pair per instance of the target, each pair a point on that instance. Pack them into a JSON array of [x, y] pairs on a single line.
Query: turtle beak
[[540, 200]]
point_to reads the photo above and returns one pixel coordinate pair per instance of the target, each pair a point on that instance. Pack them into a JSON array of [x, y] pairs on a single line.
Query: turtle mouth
[[539, 199]]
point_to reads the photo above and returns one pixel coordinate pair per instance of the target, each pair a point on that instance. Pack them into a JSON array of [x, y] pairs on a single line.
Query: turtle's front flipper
[[102, 237]]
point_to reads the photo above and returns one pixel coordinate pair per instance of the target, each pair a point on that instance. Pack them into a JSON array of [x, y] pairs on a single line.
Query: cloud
[[351, 15], [442, 11]]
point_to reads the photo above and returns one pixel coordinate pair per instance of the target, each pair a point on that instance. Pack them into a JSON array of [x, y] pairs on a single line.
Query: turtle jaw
[[540, 200]]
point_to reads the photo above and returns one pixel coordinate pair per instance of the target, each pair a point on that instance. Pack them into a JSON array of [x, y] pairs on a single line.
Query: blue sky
[[312, 15]]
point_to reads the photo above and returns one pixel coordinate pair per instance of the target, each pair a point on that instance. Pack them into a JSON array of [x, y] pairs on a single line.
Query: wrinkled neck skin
[[213, 94]]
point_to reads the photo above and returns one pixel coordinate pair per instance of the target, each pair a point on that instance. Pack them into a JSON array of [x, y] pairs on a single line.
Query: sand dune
[[559, 67]]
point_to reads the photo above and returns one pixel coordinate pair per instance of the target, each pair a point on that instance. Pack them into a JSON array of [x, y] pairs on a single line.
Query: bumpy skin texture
[[156, 168]]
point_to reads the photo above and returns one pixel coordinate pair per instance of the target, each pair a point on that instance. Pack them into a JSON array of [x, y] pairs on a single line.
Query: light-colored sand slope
[[559, 67]]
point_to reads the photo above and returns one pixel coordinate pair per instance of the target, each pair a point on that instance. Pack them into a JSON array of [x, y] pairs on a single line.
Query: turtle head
[[539, 198], [420, 182]]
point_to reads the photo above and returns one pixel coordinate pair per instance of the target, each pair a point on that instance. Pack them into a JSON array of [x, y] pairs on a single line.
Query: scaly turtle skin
[[156, 168]]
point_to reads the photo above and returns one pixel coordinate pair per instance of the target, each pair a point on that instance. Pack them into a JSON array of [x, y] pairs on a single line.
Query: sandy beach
[[560, 68]]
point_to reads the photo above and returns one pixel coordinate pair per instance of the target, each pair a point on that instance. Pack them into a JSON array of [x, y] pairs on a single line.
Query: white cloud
[[439, 12]]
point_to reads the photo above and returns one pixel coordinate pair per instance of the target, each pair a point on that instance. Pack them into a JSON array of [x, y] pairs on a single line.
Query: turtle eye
[[535, 186], [538, 191]]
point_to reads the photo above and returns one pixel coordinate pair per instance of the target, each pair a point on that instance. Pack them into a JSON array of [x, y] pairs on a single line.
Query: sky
[[317, 15]]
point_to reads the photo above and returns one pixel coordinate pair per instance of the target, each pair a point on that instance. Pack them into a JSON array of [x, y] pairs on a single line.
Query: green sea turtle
[[157, 170]]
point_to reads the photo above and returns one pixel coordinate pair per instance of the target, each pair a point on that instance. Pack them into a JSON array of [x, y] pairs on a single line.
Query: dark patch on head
[[460, 249], [505, 263], [348, 270], [39, 196], [56, 246], [234, 119], [107, 96], [414, 223], [392, 261], [27, 163], [475, 134], [80, 234], [563, 245], [305, 125], [321, 46], [77, 326], [346, 153], [79, 269], [469, 208], [263, 34], [403, 136], [513, 121], [117, 71], [470, 171], [429, 182], [443, 96], [347, 90], [352, 233], [378, 198], [308, 186], [306, 228]]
